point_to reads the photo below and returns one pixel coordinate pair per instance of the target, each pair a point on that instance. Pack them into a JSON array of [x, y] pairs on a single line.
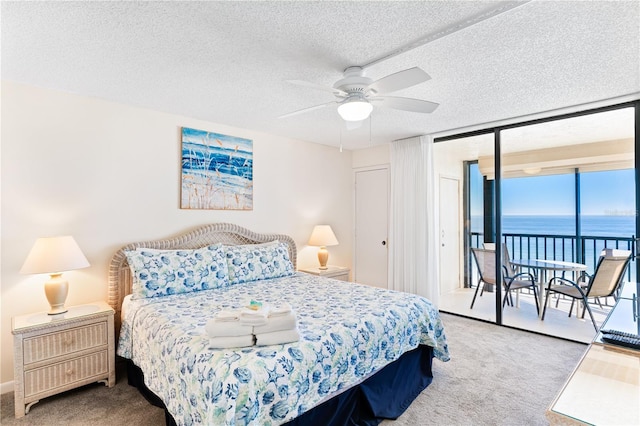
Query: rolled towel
[[277, 323], [277, 337], [231, 342], [216, 328]]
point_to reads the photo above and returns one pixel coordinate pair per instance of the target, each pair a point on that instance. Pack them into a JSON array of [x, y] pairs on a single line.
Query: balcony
[[566, 248], [584, 249], [575, 167]]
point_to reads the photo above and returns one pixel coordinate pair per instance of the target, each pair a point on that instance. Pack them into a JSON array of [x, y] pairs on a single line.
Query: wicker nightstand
[[336, 272], [55, 353]]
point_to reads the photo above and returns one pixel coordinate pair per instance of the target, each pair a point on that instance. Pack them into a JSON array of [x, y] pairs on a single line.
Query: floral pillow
[[164, 272], [254, 262]]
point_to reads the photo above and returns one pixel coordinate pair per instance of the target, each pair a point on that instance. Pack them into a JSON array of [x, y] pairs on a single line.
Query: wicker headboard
[[225, 233]]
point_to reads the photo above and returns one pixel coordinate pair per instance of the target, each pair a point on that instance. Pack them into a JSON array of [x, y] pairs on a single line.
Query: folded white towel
[[231, 342], [277, 337], [282, 309], [262, 312], [253, 321], [216, 328], [227, 315], [254, 316], [277, 323]]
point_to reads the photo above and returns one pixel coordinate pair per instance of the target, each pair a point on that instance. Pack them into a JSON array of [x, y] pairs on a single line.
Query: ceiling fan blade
[[302, 111], [400, 80], [303, 83], [405, 104]]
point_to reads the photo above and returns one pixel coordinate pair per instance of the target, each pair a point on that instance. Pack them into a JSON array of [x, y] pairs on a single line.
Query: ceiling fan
[[357, 94]]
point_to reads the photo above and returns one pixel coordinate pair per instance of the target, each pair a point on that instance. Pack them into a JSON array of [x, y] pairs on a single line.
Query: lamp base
[[323, 257], [56, 290]]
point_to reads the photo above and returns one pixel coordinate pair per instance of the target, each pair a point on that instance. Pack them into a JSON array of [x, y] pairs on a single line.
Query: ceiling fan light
[[355, 110]]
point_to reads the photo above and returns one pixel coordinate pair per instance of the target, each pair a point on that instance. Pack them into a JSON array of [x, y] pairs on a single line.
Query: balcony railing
[[562, 248]]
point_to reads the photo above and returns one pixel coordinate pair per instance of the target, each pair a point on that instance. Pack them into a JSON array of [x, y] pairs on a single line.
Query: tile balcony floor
[[556, 322]]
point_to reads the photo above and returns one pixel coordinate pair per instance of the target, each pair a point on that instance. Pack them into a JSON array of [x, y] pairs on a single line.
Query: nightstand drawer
[[64, 342], [65, 373]]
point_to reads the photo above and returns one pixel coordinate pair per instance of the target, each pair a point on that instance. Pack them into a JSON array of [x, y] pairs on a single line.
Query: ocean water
[[598, 226]]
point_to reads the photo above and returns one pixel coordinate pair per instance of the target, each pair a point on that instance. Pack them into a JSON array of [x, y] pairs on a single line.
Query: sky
[[602, 193]]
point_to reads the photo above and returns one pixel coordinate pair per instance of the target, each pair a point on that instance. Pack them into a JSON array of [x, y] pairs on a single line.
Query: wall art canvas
[[217, 171]]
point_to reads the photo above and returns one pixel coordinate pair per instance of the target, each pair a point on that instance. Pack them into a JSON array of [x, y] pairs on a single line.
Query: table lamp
[[53, 256], [323, 236]]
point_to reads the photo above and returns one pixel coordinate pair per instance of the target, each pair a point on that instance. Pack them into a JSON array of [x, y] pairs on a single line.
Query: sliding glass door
[[567, 193], [559, 191], [466, 223]]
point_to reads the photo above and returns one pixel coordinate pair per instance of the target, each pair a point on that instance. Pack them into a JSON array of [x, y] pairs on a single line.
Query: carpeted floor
[[496, 376]]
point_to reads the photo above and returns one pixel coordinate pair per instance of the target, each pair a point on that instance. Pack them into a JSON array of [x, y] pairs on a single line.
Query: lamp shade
[[355, 109], [322, 235], [54, 254]]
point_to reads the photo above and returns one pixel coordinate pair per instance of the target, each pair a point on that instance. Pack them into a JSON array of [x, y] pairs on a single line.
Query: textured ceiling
[[228, 62]]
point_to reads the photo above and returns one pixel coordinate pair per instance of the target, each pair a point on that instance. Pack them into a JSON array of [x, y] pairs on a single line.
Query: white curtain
[[413, 237]]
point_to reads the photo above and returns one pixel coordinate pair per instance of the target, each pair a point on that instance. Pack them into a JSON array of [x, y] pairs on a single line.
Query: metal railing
[[562, 248]]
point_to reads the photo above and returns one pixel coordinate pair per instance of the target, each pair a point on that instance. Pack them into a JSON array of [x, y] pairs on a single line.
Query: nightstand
[[336, 272], [56, 353]]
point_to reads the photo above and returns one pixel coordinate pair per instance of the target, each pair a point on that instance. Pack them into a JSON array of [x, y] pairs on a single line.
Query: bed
[[363, 355]]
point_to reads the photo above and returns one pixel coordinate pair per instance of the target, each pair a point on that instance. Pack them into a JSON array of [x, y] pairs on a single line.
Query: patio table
[[544, 266]]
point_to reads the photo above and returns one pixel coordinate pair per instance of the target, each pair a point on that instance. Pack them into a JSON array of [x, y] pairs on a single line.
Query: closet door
[[371, 227]]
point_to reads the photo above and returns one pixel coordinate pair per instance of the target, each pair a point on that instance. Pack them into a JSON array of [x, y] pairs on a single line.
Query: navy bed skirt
[[385, 395]]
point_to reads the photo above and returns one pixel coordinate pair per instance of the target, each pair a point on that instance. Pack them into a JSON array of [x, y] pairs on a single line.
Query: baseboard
[[6, 387]]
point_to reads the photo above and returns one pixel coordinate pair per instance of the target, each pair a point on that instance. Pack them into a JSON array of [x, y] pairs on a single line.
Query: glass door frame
[[497, 198]]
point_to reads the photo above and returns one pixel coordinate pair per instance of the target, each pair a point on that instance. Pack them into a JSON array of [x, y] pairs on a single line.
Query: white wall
[[374, 156], [109, 174]]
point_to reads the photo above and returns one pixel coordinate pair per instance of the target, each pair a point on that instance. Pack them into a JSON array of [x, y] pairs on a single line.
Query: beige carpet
[[496, 376]]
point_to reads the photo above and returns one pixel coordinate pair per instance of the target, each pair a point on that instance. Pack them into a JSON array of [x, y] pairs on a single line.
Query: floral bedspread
[[347, 332]]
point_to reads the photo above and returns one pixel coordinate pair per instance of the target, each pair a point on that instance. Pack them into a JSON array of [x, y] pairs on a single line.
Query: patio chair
[[583, 279], [486, 262], [603, 283], [506, 258], [509, 269]]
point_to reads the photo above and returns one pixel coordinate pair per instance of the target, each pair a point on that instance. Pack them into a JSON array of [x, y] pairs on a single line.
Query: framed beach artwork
[[217, 171]]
